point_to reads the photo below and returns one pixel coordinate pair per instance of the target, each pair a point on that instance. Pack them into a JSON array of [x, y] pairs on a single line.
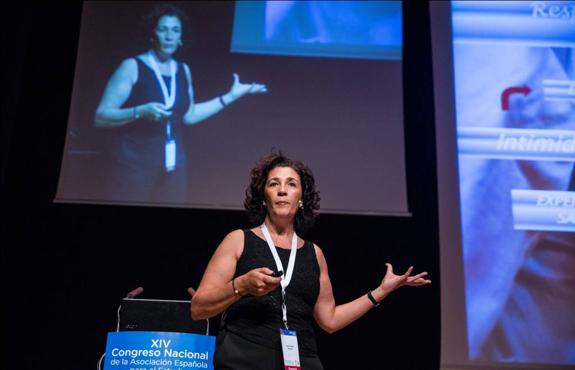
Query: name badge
[[290, 349], [170, 160]]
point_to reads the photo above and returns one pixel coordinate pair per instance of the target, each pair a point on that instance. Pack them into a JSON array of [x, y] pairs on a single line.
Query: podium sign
[[146, 350]]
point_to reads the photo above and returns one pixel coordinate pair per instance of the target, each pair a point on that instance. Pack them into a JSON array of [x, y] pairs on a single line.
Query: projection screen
[[324, 82], [504, 75]]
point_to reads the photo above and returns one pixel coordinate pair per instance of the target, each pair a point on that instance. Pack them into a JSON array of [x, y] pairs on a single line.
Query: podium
[[159, 315], [156, 334]]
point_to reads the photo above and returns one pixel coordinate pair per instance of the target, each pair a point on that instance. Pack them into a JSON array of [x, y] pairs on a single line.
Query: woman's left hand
[[391, 281], [239, 89]]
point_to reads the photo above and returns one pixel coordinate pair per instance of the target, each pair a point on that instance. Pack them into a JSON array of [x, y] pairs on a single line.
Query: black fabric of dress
[[139, 173], [236, 353], [258, 319]]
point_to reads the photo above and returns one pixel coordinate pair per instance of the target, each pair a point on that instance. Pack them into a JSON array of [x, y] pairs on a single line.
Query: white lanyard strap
[[169, 97], [288, 275]]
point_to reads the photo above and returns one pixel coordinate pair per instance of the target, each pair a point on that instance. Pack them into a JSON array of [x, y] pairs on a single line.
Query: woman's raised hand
[[239, 89], [257, 282], [153, 111], [391, 281]]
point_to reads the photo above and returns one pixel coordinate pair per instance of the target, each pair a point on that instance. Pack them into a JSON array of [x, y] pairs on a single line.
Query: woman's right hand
[[257, 282], [153, 111]]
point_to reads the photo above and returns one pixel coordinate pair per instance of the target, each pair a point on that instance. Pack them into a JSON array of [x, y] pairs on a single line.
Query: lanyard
[[169, 98], [288, 275]]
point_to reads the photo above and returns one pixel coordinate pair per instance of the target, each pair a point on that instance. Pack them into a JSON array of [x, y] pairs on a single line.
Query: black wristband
[[370, 296], [222, 102]]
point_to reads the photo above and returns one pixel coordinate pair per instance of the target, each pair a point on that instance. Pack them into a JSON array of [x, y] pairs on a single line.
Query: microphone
[[191, 291], [135, 292]]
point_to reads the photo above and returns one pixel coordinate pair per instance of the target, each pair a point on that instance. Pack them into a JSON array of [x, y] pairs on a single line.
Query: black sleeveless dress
[[249, 335], [139, 173]]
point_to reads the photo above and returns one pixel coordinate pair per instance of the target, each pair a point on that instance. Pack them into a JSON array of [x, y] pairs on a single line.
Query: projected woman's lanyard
[[288, 337], [169, 100]]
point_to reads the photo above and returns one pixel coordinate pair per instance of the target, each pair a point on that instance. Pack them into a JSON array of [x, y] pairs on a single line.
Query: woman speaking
[[147, 102], [272, 284]]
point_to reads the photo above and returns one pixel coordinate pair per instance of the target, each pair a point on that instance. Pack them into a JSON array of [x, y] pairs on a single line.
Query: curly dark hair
[[253, 203], [150, 20]]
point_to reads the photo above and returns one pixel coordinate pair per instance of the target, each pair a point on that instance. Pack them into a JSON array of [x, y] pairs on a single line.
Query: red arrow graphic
[[525, 90]]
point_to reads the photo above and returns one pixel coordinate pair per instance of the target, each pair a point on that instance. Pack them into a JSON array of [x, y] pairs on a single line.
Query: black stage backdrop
[[65, 267]]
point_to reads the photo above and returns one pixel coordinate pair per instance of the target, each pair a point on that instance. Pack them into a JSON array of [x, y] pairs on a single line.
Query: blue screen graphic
[[345, 29], [514, 68]]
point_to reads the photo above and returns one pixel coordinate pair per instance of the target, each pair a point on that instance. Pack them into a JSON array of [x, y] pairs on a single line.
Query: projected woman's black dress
[[139, 172]]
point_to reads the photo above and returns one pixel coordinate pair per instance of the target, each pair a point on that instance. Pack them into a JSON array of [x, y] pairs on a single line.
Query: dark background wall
[[65, 267]]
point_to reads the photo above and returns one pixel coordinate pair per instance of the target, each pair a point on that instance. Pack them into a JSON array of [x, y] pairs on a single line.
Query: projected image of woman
[[148, 101], [281, 202]]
